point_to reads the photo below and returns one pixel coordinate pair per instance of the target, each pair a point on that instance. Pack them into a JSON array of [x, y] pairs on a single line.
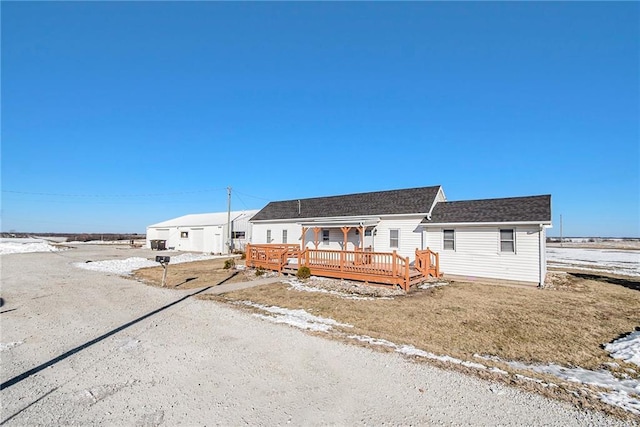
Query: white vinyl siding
[[478, 254], [410, 237]]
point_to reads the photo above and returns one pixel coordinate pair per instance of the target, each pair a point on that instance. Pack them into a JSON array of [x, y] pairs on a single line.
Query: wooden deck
[[387, 268]]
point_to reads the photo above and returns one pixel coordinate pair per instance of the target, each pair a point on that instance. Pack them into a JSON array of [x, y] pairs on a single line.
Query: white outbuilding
[[207, 232]]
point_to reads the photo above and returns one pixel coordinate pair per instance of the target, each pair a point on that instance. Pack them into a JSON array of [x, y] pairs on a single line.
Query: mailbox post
[[164, 262]]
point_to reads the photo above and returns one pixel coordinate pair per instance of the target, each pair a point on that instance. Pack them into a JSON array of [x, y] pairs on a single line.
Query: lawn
[[567, 325], [190, 275]]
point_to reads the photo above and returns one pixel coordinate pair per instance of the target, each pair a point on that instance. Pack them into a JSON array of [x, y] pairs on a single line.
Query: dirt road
[[85, 348]]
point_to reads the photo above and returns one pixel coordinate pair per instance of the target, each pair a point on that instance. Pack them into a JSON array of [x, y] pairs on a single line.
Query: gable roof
[[204, 219], [392, 202], [512, 209]]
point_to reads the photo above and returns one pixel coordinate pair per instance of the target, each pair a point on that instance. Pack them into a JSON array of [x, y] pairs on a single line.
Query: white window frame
[[284, 236], [268, 236], [512, 240], [397, 238], [326, 236], [452, 239]]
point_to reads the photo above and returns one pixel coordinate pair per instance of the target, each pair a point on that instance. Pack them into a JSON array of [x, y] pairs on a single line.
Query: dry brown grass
[[566, 326], [189, 275], [529, 325]]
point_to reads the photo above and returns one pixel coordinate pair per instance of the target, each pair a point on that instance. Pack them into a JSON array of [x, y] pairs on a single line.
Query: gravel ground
[[202, 363]]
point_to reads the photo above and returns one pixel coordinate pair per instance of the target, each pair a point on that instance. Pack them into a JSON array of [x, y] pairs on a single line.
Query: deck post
[[304, 235], [316, 230], [341, 261], [345, 231], [362, 230], [393, 264], [406, 274]]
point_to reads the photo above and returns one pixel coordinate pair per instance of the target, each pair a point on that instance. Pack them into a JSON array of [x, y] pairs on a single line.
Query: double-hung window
[[268, 236], [394, 238], [449, 240], [507, 240], [325, 237], [284, 236]]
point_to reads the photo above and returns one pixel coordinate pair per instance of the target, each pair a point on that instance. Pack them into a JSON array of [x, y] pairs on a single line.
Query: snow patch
[[410, 350], [625, 391], [9, 345], [623, 262], [128, 265], [626, 349], [622, 400], [298, 318], [23, 246]]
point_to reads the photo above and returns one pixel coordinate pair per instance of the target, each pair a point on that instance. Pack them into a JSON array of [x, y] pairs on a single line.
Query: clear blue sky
[[116, 115]]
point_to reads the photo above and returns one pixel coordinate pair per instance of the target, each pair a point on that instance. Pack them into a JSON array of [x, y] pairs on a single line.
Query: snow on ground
[[25, 245], [624, 393], [623, 262], [626, 349], [298, 318], [128, 265]]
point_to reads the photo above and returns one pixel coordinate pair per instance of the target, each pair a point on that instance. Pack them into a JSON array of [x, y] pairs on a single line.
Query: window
[[325, 237], [237, 235], [367, 233], [394, 238], [507, 240], [184, 234], [449, 240], [284, 236], [268, 236]]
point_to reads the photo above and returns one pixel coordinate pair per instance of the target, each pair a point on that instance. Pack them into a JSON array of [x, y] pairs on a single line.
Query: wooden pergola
[[345, 226]]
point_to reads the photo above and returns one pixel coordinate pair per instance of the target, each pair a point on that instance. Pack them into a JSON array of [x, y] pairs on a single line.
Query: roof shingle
[[393, 202], [513, 209]]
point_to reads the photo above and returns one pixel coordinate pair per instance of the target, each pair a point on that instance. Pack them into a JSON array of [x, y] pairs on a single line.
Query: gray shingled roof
[[408, 201], [513, 209]]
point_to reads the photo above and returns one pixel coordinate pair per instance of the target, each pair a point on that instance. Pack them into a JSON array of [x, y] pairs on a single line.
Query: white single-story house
[[207, 232], [491, 238]]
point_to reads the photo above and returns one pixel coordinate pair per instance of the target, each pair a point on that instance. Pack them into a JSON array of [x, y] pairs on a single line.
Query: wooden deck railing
[[270, 257], [366, 266], [428, 262], [376, 267]]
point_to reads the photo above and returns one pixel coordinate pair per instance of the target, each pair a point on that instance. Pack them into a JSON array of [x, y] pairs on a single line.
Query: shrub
[[259, 271], [229, 263], [303, 272]]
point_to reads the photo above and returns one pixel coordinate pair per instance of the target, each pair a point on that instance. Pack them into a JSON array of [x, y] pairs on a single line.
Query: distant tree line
[[79, 237]]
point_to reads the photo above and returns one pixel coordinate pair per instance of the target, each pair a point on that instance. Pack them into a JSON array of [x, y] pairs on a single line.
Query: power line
[[113, 195]]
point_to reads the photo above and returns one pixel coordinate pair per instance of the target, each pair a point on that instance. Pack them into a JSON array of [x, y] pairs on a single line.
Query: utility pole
[[560, 230], [229, 244]]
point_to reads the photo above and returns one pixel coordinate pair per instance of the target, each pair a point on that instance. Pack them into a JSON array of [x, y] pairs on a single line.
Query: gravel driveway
[[77, 349]]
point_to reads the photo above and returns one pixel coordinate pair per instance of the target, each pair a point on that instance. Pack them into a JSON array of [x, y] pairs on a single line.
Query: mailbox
[[163, 259]]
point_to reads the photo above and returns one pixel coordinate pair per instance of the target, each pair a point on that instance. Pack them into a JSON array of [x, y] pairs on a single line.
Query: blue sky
[[116, 115]]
